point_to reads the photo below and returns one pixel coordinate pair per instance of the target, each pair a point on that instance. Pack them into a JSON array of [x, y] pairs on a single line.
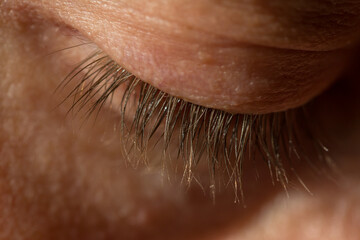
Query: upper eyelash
[[218, 136]]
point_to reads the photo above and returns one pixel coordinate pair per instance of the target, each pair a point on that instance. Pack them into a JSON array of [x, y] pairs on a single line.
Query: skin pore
[[61, 178]]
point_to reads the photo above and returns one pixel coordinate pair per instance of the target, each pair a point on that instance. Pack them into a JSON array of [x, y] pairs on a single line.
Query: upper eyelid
[[238, 78]]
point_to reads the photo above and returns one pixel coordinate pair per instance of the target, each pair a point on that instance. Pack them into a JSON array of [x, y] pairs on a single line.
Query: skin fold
[[65, 178], [227, 55]]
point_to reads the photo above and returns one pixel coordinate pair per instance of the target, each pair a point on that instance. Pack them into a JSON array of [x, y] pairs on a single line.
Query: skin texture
[[61, 178], [233, 61]]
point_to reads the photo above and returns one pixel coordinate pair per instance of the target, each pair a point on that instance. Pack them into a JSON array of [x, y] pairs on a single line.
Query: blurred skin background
[[63, 179]]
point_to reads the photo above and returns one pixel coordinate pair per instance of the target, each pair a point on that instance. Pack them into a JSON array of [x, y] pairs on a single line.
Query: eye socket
[[214, 131]]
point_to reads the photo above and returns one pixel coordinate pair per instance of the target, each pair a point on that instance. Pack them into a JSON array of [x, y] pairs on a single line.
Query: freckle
[[205, 58]]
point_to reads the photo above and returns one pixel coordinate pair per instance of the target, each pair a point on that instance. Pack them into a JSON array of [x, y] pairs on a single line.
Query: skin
[[61, 178], [233, 62]]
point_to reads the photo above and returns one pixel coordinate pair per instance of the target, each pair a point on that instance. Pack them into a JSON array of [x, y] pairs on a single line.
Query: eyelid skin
[[220, 62]]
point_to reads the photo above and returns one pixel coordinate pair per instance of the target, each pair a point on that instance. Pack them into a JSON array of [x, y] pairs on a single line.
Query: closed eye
[[152, 120], [132, 148], [197, 93]]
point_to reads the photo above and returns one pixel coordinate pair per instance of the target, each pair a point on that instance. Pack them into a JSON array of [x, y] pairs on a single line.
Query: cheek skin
[[56, 184]]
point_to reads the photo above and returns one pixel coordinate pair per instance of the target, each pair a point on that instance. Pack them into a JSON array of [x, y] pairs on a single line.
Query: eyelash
[[224, 139]]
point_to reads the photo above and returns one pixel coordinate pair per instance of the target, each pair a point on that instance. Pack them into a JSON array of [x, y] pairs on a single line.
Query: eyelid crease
[[151, 119]]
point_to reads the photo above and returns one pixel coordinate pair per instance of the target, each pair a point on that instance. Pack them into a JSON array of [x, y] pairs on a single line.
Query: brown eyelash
[[224, 139]]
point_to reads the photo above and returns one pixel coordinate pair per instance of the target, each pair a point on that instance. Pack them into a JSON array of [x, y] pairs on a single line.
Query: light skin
[[63, 179]]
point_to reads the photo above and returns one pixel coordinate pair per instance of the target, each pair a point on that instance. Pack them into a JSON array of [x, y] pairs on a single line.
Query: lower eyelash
[[225, 140]]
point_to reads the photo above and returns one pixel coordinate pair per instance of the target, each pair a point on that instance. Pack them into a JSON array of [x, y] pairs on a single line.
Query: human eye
[[175, 118]]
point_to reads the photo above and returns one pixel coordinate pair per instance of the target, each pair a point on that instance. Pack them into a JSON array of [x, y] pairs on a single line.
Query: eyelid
[[202, 68], [150, 117]]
